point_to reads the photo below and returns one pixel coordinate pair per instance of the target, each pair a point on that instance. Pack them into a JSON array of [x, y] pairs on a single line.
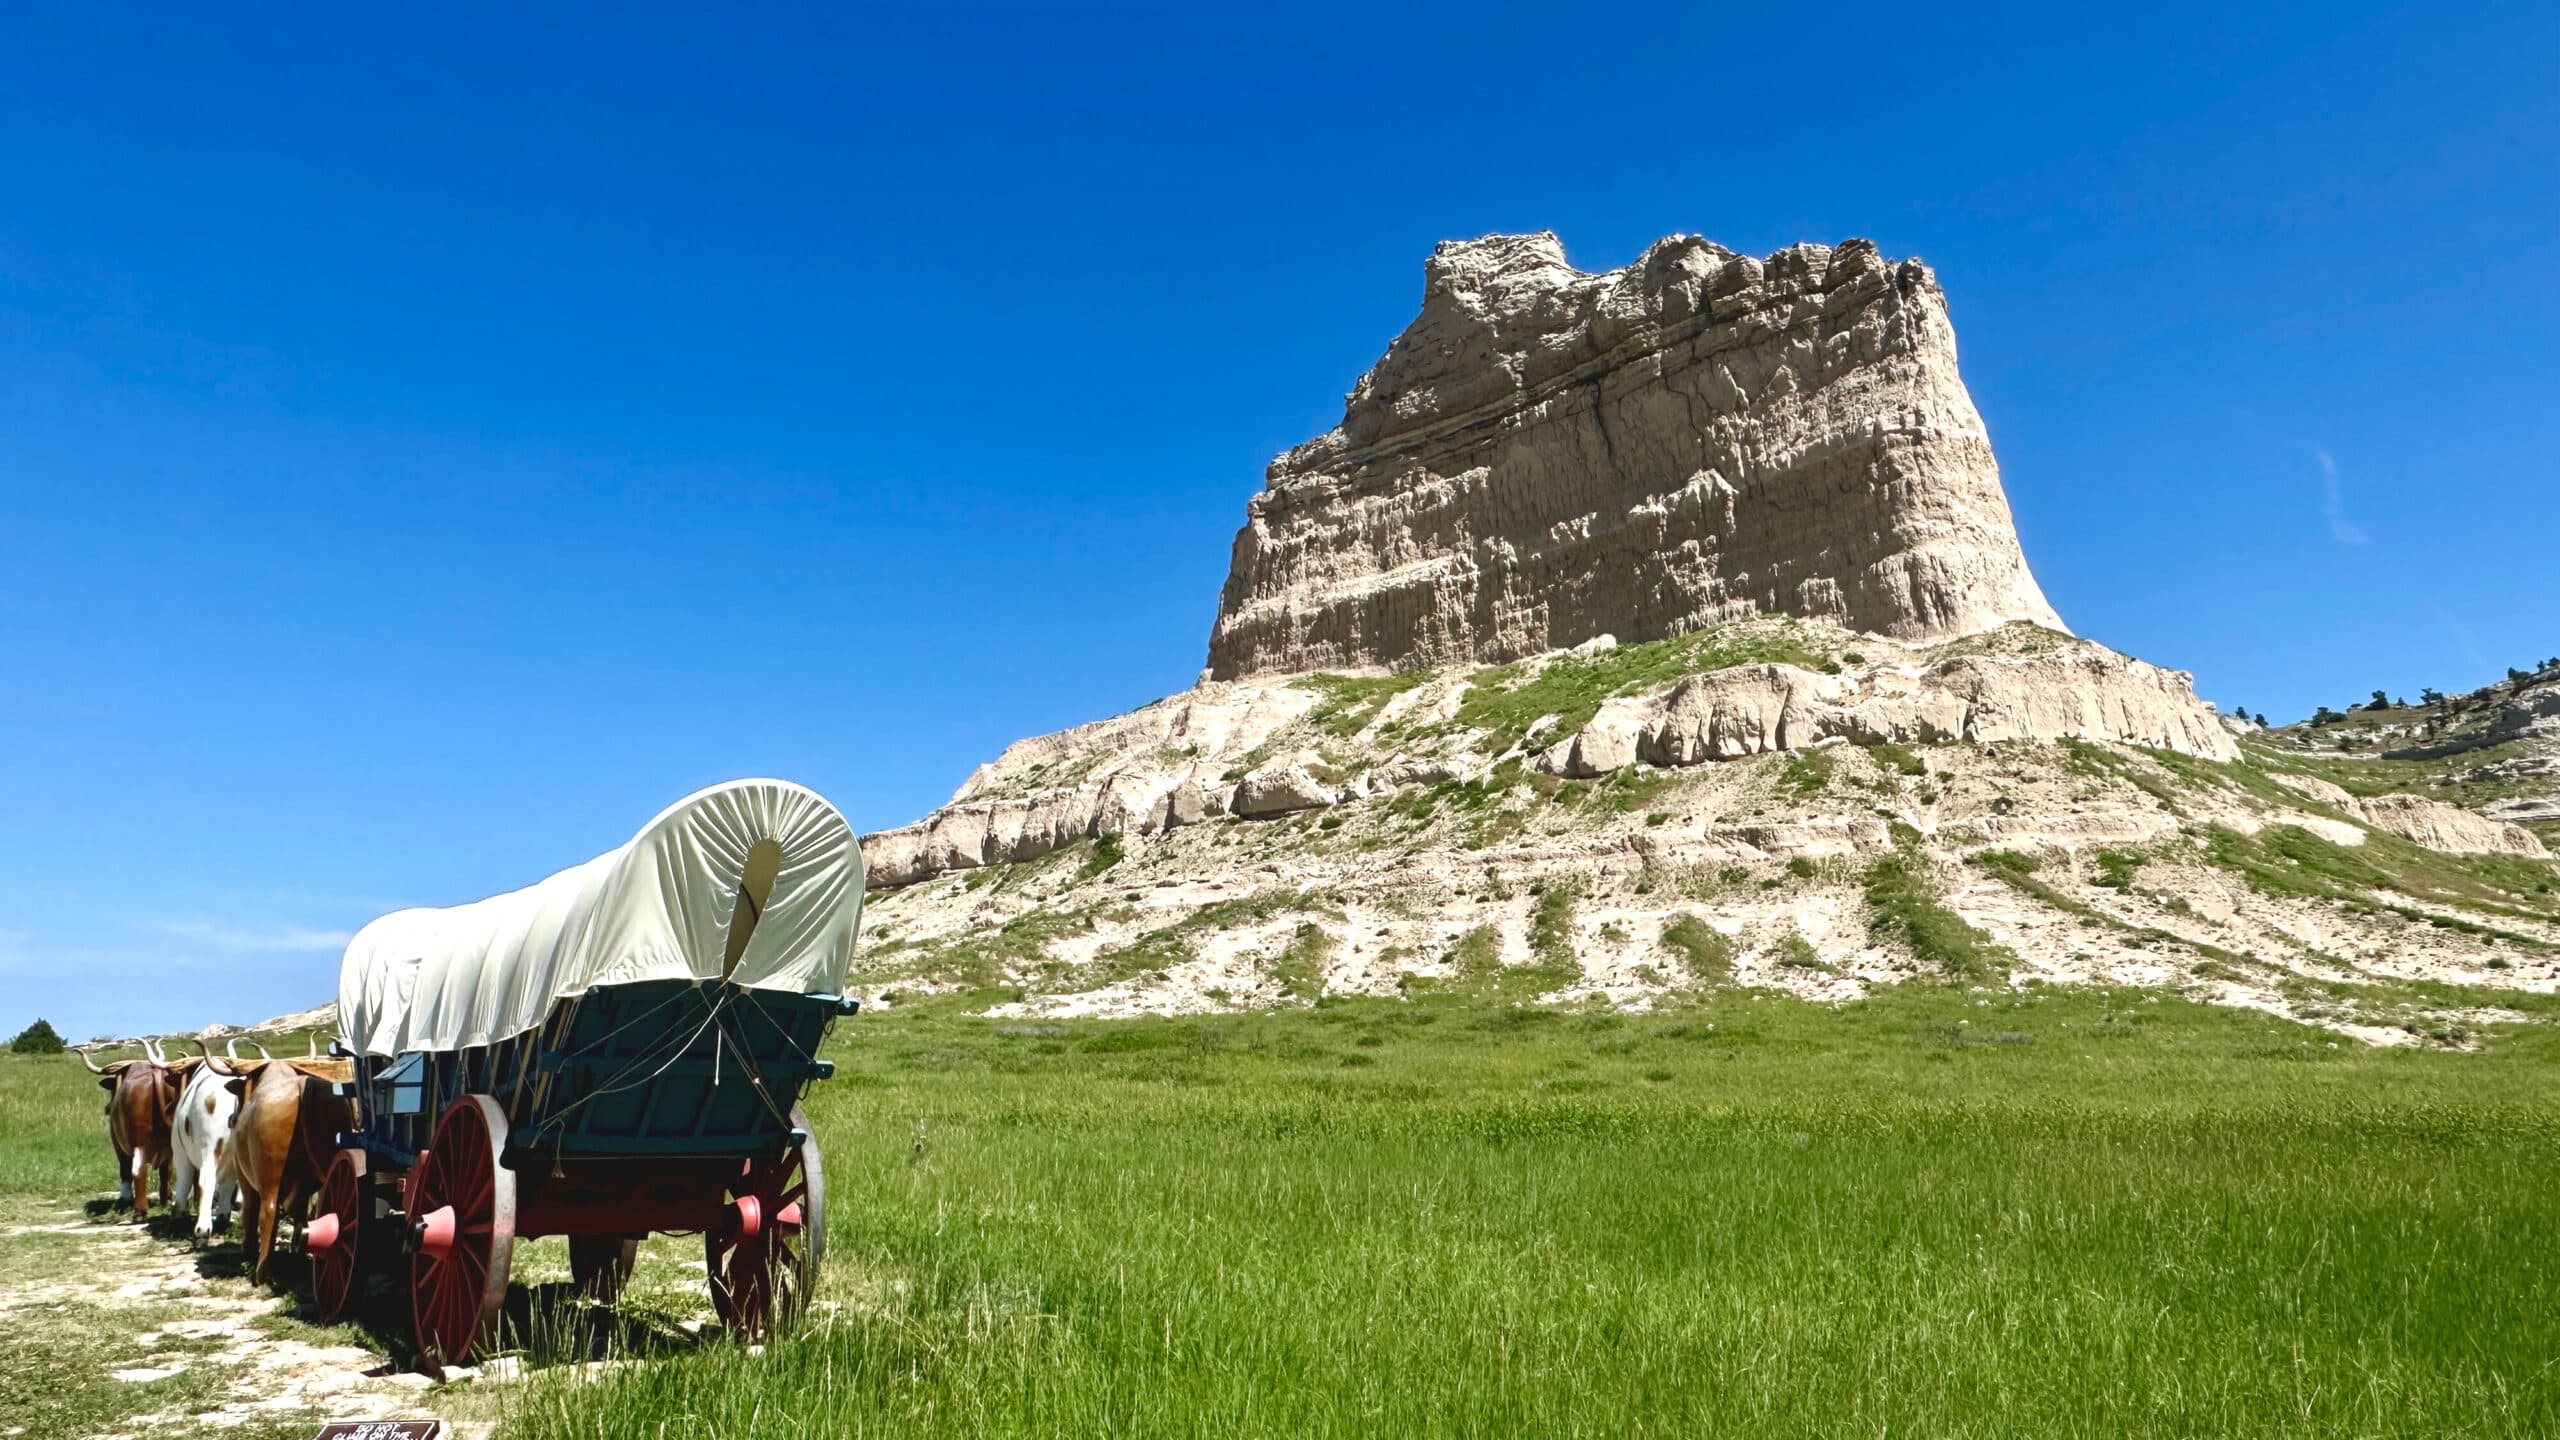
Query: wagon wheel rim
[[457, 1294], [342, 1203], [760, 1281]]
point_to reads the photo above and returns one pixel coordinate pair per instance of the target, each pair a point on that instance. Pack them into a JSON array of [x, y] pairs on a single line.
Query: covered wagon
[[618, 1050]]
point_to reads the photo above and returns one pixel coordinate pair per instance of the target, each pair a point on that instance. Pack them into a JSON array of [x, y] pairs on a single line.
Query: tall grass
[[2130, 1215]]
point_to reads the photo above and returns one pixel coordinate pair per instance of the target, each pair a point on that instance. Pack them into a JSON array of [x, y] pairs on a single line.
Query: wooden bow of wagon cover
[[616, 1051]]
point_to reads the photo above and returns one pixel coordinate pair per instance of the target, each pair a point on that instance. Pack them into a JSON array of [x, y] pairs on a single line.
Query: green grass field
[[1935, 1212]]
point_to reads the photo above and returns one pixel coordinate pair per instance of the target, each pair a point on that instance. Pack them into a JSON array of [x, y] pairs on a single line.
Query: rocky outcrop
[[1302, 783], [1545, 455], [2439, 826], [1253, 749], [2082, 692], [2431, 823]]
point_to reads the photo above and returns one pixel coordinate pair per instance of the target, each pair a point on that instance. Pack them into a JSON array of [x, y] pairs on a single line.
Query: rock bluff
[[1248, 750], [1545, 456]]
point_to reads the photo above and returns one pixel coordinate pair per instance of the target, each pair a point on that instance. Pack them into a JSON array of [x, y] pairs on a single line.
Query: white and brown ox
[[142, 1096], [200, 1137], [282, 1141]]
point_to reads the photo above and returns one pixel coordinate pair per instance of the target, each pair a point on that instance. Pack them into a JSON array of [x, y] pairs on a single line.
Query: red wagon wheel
[[462, 1215], [763, 1256], [334, 1235], [601, 1263]]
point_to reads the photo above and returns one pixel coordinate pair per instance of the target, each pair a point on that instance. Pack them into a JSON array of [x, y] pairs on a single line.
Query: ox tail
[[139, 1163]]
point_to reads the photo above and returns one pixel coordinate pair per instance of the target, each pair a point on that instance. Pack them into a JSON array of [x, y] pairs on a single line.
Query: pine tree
[[37, 1039]]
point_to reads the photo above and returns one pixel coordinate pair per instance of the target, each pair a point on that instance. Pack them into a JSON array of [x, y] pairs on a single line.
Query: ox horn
[[92, 1064], [151, 1051], [263, 1053], [311, 1046]]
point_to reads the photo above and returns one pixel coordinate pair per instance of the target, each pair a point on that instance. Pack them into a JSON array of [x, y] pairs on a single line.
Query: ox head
[[163, 1077], [108, 1073], [113, 1072], [240, 1076], [236, 1073]]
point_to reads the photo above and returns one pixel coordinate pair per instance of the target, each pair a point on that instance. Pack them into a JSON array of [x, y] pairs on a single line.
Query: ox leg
[[137, 1184], [183, 1160], [124, 1179], [199, 1187], [263, 1245], [225, 1187]]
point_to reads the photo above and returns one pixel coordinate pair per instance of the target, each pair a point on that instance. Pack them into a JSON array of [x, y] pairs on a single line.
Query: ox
[[282, 1140], [142, 1094], [200, 1136]]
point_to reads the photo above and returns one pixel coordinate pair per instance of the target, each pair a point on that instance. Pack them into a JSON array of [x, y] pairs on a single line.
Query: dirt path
[[143, 1335]]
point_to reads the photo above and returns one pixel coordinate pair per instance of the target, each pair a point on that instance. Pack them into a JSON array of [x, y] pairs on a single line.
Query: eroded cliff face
[[1638, 825], [1253, 749], [1545, 456]]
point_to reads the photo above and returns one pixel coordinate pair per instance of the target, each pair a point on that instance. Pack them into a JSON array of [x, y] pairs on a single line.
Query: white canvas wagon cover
[[658, 908]]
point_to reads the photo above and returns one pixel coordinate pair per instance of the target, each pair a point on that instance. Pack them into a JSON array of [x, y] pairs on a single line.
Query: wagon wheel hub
[[764, 1258], [434, 1232]]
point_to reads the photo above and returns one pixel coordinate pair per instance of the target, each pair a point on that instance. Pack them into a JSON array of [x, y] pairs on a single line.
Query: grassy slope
[[2048, 1213]]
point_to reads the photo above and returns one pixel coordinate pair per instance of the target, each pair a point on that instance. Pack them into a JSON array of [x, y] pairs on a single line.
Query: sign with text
[[381, 1430]]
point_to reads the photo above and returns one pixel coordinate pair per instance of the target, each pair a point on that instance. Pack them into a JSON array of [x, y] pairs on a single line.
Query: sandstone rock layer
[[1544, 456], [1252, 749], [2431, 823]]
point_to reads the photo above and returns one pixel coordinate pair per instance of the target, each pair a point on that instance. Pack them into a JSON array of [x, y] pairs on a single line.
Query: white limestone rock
[[2450, 828], [1167, 765], [1546, 456], [2431, 823], [1297, 783]]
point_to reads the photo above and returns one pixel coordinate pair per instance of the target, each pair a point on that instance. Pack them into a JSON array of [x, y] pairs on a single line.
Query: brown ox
[[283, 1141], [142, 1095]]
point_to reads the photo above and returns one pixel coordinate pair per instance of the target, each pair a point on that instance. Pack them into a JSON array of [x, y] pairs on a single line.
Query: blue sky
[[430, 441]]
